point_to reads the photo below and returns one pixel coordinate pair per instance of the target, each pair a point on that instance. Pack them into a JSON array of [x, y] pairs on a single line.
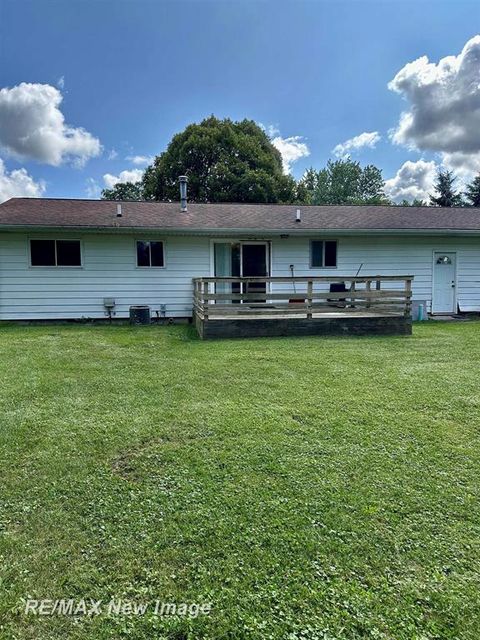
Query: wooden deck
[[273, 306]]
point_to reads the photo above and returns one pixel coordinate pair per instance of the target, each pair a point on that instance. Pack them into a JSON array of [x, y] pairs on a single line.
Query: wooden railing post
[[408, 297], [368, 288], [309, 299], [205, 300]]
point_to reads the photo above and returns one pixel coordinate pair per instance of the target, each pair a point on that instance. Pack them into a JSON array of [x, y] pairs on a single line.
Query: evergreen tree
[[446, 196], [472, 193]]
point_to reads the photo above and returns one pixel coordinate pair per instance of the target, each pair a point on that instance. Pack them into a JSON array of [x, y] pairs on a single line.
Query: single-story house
[[73, 259]]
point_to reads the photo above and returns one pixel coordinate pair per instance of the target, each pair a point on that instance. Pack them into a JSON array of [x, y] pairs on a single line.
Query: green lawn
[[319, 488]]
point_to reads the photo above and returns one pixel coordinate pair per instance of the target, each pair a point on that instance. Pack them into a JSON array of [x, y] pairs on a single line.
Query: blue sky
[[131, 73]]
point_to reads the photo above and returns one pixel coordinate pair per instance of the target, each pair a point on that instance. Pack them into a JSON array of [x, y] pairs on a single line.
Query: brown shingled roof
[[101, 214]]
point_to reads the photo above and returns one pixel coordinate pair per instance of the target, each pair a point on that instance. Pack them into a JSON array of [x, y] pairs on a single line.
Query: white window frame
[[269, 251], [150, 266], [55, 266], [214, 241], [323, 241]]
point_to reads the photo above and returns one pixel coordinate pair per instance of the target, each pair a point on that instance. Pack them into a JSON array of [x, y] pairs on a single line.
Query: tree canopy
[[124, 191], [225, 161], [414, 203], [344, 182], [228, 161]]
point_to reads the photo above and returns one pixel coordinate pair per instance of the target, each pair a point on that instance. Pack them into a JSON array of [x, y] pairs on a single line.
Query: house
[[72, 259]]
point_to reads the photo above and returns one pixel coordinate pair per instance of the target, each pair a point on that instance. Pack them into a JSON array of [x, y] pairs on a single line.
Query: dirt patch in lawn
[[128, 463], [152, 457]]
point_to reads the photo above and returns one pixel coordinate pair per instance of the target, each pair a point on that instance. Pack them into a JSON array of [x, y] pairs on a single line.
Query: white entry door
[[444, 281]]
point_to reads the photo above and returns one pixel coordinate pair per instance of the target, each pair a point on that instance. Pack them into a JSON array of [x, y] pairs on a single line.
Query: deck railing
[[216, 298]]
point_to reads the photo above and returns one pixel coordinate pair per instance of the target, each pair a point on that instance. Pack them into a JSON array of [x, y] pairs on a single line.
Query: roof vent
[[183, 192], [298, 217], [119, 210]]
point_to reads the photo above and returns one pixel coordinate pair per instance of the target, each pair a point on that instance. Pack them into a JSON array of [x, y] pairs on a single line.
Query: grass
[[320, 488]]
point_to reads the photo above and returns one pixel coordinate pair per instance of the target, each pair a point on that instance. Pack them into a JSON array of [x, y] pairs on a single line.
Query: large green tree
[[472, 192], [124, 191], [344, 182], [225, 161], [445, 194]]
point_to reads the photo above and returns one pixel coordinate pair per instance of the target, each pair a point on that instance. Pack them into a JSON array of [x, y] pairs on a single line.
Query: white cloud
[[140, 160], [18, 183], [464, 165], [92, 188], [443, 114], [129, 175], [271, 130], [112, 154], [61, 82], [292, 149], [414, 180], [366, 139], [32, 126]]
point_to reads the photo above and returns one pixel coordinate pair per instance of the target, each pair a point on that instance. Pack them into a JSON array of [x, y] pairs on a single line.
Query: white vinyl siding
[[390, 255], [109, 271]]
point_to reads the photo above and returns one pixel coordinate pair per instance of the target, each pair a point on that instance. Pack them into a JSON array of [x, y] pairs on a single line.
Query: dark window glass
[[236, 260], [330, 253], [156, 254], [143, 254], [68, 253], [323, 253], [317, 253], [236, 286], [150, 254], [42, 253], [254, 260]]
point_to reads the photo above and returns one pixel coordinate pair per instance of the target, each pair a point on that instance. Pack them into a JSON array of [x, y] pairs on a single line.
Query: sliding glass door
[[254, 263], [241, 259], [226, 265]]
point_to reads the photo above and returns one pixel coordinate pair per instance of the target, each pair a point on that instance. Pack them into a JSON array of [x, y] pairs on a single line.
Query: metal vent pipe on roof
[[298, 216], [119, 210], [183, 192]]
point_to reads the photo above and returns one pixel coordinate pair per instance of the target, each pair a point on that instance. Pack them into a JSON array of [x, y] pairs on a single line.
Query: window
[[323, 253], [55, 253], [150, 254]]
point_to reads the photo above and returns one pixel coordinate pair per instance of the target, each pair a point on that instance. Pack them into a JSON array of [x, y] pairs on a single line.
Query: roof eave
[[212, 231]]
